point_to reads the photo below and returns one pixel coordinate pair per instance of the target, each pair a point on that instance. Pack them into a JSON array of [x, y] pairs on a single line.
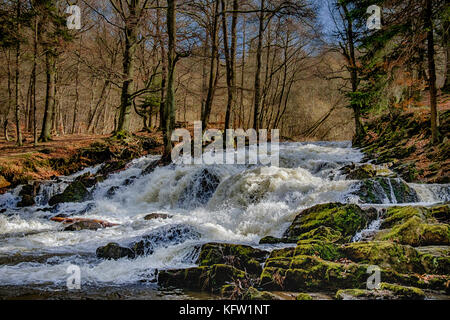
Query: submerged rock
[[385, 190], [75, 192], [28, 194], [78, 224], [114, 251], [154, 216]]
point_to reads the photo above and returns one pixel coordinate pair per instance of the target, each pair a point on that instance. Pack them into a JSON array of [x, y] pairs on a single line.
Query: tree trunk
[[17, 102], [431, 71], [130, 33], [257, 98], [169, 111], [213, 68], [50, 62]]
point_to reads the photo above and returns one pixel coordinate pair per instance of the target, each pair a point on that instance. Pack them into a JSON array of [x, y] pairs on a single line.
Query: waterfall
[[222, 203]]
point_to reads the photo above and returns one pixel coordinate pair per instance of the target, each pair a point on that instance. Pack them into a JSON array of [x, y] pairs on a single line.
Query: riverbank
[[66, 155], [402, 142]]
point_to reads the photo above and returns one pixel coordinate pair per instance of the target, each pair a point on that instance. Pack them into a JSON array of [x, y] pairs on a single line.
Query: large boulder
[[385, 190], [75, 192], [417, 232], [344, 218], [241, 257], [206, 278]]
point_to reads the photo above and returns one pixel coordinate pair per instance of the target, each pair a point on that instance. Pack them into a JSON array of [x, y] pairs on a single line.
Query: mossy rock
[[239, 256], [416, 232], [366, 171], [204, 278], [386, 254], [303, 297], [378, 190], [324, 250], [398, 215], [322, 233], [311, 273], [441, 213], [409, 293], [435, 259], [386, 292], [273, 240], [345, 218], [253, 294], [75, 192]]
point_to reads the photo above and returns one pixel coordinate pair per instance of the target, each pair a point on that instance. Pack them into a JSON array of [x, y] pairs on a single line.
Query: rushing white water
[[227, 203]]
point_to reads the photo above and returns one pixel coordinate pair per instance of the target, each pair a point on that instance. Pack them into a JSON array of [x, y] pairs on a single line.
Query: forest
[[92, 91]]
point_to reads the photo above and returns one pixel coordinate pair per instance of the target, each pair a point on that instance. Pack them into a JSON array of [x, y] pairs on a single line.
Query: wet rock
[[435, 259], [385, 254], [28, 193], [84, 225], [89, 180], [151, 167], [201, 188], [344, 218], [416, 232], [112, 167], [112, 191], [366, 171], [386, 292], [252, 294], [206, 278], [164, 237], [272, 240], [154, 216], [241, 257], [382, 190], [77, 224], [114, 251], [286, 271], [75, 192], [303, 297]]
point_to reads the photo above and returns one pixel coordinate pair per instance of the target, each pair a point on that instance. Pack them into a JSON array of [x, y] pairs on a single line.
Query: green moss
[[345, 218], [311, 273], [416, 233], [396, 215], [324, 250], [384, 254], [206, 278], [270, 240], [303, 297], [322, 233], [239, 256], [409, 293], [256, 295]]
